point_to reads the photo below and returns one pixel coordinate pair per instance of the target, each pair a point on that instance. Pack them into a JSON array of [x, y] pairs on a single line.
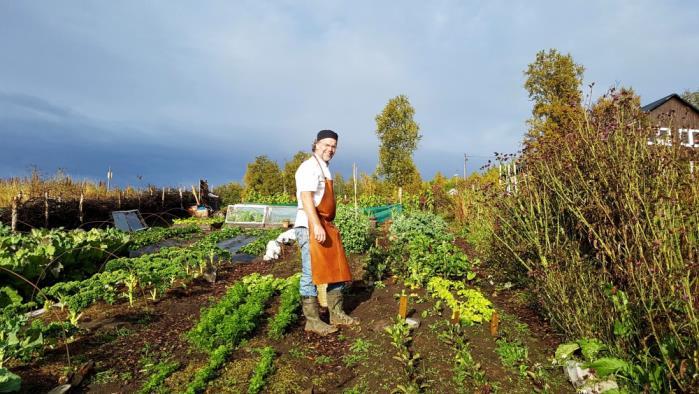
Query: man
[[323, 259]]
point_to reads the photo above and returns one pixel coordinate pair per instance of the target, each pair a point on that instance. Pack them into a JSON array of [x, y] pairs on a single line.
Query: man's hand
[[319, 233], [313, 220]]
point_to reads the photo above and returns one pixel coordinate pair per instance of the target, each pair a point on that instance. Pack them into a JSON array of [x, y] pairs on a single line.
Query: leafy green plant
[[466, 368], [410, 225], [512, 353], [401, 340], [9, 382], [375, 263], [154, 272], [470, 305], [358, 352], [153, 235], [287, 314], [158, 373], [199, 221], [248, 216], [354, 228], [15, 342], [204, 375], [56, 254], [259, 245], [236, 314], [263, 368]]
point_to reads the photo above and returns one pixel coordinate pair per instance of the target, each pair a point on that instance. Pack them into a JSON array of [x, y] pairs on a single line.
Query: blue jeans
[[307, 288]]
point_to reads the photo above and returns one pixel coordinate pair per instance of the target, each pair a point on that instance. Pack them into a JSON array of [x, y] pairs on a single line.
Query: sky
[[174, 91]]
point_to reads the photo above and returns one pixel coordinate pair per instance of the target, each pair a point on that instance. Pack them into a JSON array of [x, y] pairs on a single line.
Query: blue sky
[[175, 90]]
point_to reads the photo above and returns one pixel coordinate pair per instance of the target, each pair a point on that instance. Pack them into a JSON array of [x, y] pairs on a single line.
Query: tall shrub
[[607, 229]]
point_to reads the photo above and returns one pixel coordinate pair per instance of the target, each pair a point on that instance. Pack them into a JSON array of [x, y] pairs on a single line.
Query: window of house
[[663, 137], [685, 136]]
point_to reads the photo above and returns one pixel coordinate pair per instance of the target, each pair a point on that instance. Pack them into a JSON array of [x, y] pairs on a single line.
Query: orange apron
[[328, 259]]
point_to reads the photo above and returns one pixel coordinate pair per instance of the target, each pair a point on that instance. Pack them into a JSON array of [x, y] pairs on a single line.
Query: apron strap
[[321, 167]]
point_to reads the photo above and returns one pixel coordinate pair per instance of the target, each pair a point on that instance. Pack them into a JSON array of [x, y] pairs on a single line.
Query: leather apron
[[328, 259]]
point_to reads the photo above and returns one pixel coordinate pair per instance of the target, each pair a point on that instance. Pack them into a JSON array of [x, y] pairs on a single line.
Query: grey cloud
[[218, 83]]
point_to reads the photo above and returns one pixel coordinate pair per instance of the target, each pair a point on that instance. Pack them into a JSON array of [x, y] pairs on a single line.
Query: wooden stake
[[494, 322], [46, 209], [354, 180], [80, 208], [194, 192], [15, 203], [181, 203], [403, 306], [456, 317], [163, 199]]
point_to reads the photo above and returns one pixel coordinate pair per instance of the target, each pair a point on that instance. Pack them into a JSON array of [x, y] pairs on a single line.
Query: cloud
[[212, 85]]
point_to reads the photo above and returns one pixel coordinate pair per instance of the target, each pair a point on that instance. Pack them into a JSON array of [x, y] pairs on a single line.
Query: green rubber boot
[[338, 317], [313, 322]]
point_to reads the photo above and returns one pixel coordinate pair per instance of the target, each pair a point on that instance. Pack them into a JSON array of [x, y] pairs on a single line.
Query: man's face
[[326, 148]]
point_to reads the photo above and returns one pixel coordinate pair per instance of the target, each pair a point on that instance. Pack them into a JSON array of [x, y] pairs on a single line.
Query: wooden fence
[[158, 206]]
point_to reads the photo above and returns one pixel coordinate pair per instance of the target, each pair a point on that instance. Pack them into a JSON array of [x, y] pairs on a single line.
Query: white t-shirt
[[309, 178]]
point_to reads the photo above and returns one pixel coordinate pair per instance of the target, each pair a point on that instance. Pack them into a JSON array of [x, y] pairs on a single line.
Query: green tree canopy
[[263, 176], [230, 193], [553, 83], [290, 168], [398, 138], [692, 97]]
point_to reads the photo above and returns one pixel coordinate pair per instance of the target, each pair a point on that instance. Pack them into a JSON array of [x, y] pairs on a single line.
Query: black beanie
[[326, 134]]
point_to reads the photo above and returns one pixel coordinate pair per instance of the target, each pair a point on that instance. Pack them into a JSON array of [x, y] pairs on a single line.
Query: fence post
[[163, 199], [15, 202], [46, 209], [354, 181], [181, 203], [80, 208], [118, 199]]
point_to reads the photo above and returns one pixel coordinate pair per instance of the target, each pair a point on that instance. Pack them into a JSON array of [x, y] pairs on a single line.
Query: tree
[[341, 187], [290, 168], [398, 138], [263, 176], [692, 97], [230, 193], [553, 83]]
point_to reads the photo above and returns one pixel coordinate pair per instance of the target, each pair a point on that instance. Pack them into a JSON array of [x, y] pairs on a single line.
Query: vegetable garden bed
[[151, 344]]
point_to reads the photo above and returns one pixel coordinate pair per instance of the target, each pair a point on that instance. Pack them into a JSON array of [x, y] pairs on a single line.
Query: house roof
[[657, 103]]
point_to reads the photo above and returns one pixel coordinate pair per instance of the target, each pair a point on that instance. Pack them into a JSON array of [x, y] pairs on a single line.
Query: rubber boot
[[313, 322], [337, 314]]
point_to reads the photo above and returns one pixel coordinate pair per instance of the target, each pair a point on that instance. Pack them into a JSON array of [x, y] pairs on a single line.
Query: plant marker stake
[[494, 322], [403, 306], [46, 209], [456, 317]]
